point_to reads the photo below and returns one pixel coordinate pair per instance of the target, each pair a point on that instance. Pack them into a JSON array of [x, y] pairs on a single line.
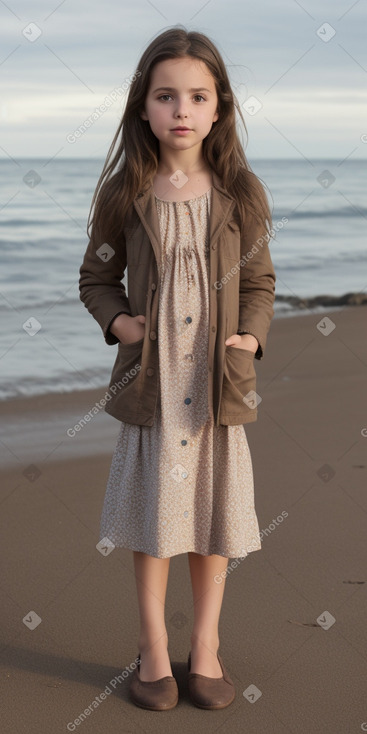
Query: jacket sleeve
[[257, 285], [100, 286]]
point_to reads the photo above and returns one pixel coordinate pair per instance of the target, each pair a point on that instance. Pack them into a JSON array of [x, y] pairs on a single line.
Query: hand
[[128, 329], [243, 341]]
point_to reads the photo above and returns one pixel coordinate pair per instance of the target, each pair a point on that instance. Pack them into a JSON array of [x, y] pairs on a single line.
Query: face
[[181, 93]]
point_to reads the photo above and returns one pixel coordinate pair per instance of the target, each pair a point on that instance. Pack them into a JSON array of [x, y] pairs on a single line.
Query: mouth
[[181, 128]]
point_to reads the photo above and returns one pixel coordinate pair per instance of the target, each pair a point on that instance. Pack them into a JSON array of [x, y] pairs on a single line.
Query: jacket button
[[213, 247], [153, 286], [213, 328], [150, 371], [153, 334]]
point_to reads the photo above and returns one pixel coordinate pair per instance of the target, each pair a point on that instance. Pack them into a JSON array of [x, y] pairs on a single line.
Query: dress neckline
[[185, 201]]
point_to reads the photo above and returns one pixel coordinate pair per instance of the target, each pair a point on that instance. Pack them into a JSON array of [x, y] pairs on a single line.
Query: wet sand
[[293, 617]]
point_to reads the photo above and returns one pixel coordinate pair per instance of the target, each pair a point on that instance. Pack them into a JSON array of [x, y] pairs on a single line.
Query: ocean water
[[44, 208]]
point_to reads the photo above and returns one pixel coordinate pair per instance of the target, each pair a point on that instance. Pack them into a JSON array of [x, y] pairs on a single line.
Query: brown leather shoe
[[155, 695], [211, 693]]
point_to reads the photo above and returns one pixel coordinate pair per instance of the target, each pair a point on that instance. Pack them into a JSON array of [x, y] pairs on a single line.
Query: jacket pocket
[[130, 344], [239, 379], [125, 375]]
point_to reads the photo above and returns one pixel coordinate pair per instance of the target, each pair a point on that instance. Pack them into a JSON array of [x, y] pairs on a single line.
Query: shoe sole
[[211, 707], [153, 708]]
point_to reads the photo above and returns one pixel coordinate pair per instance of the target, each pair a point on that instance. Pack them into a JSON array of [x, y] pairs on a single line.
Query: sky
[[305, 63]]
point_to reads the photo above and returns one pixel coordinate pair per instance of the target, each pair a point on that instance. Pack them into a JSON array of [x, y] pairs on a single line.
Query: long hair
[[130, 169]]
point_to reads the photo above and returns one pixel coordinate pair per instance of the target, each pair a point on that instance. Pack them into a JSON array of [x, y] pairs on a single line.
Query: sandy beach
[[293, 624]]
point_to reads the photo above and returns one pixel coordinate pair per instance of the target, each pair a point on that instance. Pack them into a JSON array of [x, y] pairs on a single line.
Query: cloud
[[59, 61]]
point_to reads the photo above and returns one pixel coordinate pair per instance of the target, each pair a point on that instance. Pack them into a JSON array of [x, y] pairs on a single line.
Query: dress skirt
[[182, 484]]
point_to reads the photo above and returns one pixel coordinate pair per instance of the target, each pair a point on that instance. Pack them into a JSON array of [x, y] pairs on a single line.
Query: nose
[[181, 108]]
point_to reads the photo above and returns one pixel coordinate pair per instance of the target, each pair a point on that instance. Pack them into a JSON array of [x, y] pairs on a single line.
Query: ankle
[[148, 643], [204, 643]]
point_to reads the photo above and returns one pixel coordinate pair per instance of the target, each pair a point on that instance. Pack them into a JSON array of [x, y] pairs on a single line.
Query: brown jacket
[[241, 296]]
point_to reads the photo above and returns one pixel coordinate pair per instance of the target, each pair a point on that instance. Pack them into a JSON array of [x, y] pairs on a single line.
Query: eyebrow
[[172, 89]]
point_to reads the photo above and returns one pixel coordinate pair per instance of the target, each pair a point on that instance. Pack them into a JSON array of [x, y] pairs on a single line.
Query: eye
[[164, 95], [200, 95]]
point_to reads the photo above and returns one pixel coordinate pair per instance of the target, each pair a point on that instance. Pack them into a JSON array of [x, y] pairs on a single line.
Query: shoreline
[[39, 399], [352, 298], [35, 427]]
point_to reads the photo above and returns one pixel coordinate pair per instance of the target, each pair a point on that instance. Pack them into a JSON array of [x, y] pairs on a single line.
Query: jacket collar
[[222, 204]]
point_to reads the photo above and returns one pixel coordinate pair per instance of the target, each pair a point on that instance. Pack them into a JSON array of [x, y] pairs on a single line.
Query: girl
[[178, 205]]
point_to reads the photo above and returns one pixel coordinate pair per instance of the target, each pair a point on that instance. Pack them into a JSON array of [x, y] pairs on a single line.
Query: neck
[[189, 161]]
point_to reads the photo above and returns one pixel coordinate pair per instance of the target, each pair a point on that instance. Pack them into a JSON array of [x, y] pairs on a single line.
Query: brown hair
[[135, 161]]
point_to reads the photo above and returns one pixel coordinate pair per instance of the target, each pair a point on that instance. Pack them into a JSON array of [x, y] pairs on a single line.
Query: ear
[[143, 115], [216, 115]]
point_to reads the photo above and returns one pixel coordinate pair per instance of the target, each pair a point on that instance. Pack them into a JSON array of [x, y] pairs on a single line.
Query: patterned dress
[[182, 484]]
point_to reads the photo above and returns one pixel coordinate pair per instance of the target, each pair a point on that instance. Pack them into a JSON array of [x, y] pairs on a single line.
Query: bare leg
[[208, 597], [151, 576]]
